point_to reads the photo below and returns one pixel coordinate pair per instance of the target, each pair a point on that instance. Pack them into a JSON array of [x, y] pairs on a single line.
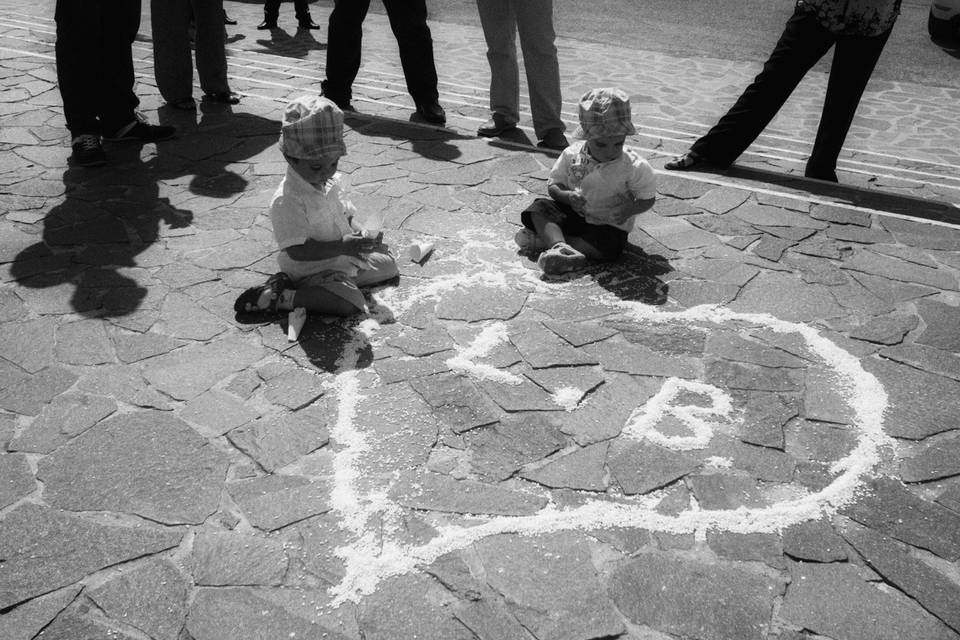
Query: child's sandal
[[561, 258], [249, 300]]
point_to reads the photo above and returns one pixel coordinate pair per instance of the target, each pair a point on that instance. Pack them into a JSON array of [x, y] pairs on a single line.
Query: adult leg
[[408, 20], [344, 42], [302, 11], [853, 62], [535, 25], [271, 11], [172, 67], [499, 21], [118, 101], [382, 267], [79, 31], [210, 45], [803, 42]]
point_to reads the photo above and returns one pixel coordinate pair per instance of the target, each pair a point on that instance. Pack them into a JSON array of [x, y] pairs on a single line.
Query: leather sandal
[[688, 161]]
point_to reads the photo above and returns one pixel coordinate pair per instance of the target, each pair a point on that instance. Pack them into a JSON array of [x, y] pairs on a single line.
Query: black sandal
[[249, 299], [688, 161]]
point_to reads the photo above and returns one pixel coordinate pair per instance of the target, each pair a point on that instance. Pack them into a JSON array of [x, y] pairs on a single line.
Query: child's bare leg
[[319, 300], [547, 230], [587, 249]]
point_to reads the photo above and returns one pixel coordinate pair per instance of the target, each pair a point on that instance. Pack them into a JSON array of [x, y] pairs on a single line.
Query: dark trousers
[[271, 10], [95, 63], [172, 66], [803, 43], [408, 20]]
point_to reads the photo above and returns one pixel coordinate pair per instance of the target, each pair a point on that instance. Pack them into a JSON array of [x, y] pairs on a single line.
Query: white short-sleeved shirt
[[300, 212], [605, 185]]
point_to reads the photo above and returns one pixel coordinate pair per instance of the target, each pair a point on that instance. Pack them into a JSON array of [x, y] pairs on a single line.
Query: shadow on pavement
[[110, 215], [281, 43], [427, 141]]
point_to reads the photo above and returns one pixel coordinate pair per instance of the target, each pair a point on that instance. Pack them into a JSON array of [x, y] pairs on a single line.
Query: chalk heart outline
[[372, 559]]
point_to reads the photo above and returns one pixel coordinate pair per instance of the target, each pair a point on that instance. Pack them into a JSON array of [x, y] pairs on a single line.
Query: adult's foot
[[267, 24], [141, 131], [307, 23], [554, 139], [432, 112], [222, 97], [497, 125], [87, 151], [689, 161]]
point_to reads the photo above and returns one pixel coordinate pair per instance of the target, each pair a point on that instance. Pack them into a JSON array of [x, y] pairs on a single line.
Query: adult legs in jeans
[[499, 21], [344, 42], [535, 26], [803, 42], [172, 66], [210, 46], [95, 63], [853, 62], [408, 21]]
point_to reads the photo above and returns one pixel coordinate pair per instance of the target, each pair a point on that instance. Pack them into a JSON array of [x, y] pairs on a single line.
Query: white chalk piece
[[419, 252], [295, 321]]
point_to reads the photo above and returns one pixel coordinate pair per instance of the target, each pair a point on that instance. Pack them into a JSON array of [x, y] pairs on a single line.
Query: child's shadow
[[634, 276]]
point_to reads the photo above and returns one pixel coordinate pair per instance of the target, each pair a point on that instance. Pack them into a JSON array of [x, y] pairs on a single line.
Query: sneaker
[[554, 139], [140, 131], [561, 258], [529, 241], [87, 151]]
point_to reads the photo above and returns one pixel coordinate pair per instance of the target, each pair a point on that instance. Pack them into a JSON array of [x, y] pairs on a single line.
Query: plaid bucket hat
[[604, 112], [312, 128]]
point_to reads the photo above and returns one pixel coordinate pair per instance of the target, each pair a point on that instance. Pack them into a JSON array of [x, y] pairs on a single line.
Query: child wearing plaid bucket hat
[[597, 186], [325, 255]]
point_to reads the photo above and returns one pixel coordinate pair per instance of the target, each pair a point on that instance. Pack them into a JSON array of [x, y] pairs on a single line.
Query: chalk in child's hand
[[295, 321]]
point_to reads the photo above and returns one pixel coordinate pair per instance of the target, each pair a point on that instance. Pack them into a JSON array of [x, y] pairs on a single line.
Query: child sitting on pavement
[[596, 187], [324, 254]]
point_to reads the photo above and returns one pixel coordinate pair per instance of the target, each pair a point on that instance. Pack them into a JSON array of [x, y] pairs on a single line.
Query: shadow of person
[[91, 241], [298, 45], [428, 141], [634, 276]]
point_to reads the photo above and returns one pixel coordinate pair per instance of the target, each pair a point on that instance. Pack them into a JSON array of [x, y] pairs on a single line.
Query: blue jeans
[[95, 63], [803, 43]]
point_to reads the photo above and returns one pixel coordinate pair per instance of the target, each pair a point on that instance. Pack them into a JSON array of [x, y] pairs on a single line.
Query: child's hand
[[577, 202], [355, 244]]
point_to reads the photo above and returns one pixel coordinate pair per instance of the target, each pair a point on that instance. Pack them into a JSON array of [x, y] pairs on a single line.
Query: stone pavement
[[747, 429]]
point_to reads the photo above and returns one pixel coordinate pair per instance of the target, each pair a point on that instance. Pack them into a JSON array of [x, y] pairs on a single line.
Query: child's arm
[[630, 207], [565, 195], [353, 244]]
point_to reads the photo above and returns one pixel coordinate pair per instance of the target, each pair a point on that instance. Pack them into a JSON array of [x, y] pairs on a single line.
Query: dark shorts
[[608, 241]]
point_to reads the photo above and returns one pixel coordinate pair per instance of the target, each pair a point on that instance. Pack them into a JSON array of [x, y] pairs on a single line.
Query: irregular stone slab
[[919, 234], [737, 375], [234, 559], [825, 398], [885, 330], [692, 293], [641, 467], [814, 540], [860, 235], [579, 333], [771, 248], [29, 344], [489, 618], [920, 404], [240, 614], [16, 478], [152, 597], [434, 492], [891, 509], [926, 358], [480, 302], [405, 607], [786, 297], [83, 342], [875, 264], [833, 600], [730, 346], [401, 429], [28, 396], [840, 215], [134, 347], [938, 460], [294, 389], [188, 372], [717, 224], [145, 462], [674, 233], [78, 621], [456, 401], [762, 463], [275, 501], [25, 621], [935, 592], [542, 348], [942, 322], [582, 469], [761, 547], [8, 424], [523, 396], [70, 549], [66, 416], [276, 441], [722, 491], [761, 215], [636, 359], [721, 199], [763, 416], [604, 413], [423, 342], [550, 585], [681, 597], [218, 412], [499, 451]]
